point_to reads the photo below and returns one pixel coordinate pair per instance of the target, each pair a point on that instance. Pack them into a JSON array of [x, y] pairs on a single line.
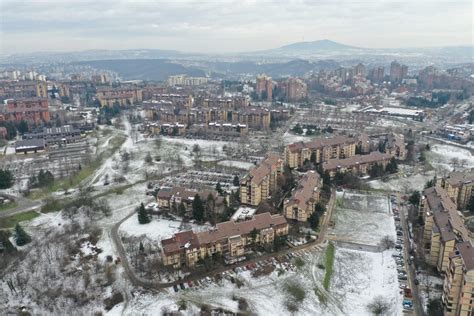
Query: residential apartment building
[[23, 89], [264, 87], [458, 286], [32, 110], [301, 204], [395, 146], [397, 72], [321, 149], [261, 181], [359, 165], [444, 226], [167, 197], [459, 186], [294, 89], [122, 95], [230, 239]]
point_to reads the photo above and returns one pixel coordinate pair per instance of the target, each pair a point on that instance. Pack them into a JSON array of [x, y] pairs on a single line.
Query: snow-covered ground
[[158, 228], [359, 276], [404, 184], [236, 164], [370, 219], [448, 158]]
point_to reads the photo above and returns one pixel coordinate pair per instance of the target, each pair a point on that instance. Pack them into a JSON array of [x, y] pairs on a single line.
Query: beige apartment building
[[261, 181], [459, 186], [122, 95], [444, 227], [358, 164], [458, 287], [395, 146], [321, 149], [301, 204], [230, 239]]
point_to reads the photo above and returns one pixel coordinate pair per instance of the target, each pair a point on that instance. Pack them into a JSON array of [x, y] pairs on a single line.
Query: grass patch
[[321, 296], [339, 202], [330, 252], [298, 262], [8, 206], [11, 221]]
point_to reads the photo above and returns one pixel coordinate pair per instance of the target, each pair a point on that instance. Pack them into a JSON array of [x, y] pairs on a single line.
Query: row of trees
[[13, 128]]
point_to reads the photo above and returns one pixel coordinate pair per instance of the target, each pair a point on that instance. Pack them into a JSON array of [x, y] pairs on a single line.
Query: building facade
[[359, 165], [261, 181], [229, 239], [124, 96], [444, 227], [264, 87], [32, 110], [458, 286], [459, 186], [319, 150], [301, 204]]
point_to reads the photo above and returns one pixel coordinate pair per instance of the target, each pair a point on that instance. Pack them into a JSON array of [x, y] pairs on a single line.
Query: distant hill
[[144, 69], [324, 44]]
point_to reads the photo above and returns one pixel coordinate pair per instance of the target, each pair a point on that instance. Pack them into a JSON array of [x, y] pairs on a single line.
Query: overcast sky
[[230, 26]]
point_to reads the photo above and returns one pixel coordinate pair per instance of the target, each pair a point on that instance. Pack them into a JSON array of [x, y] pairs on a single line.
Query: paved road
[[24, 205], [197, 276], [418, 308]]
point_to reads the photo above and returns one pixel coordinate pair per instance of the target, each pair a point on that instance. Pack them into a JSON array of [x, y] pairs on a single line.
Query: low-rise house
[[301, 204], [358, 164], [458, 283], [444, 226], [319, 150], [459, 186], [229, 239], [261, 181]]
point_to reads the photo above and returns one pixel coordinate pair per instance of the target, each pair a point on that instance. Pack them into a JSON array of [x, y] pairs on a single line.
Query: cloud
[[229, 25]]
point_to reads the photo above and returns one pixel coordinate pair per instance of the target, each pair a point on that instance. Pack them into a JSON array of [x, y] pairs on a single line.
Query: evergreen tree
[[314, 220], [141, 248], [219, 188], [21, 237], [6, 179], [181, 209], [23, 127], [143, 217], [236, 181], [253, 235], [198, 208]]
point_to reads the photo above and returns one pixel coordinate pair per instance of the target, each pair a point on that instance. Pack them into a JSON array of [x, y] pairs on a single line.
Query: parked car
[[181, 285], [416, 281], [402, 277], [175, 288], [399, 247]]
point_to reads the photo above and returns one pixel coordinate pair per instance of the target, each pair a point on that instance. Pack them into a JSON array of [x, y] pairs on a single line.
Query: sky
[[221, 26]]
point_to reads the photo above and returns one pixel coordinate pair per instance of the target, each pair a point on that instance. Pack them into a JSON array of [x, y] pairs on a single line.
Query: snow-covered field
[[370, 219], [448, 158], [404, 184], [158, 228], [236, 164]]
